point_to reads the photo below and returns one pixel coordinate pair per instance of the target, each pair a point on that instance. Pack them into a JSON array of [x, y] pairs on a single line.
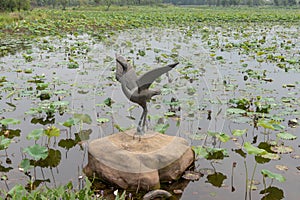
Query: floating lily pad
[[281, 167], [52, 160], [206, 171], [4, 142], [198, 136], [282, 149], [192, 175], [295, 156], [216, 179], [102, 120], [84, 118], [9, 121], [67, 143], [271, 156], [5, 169], [170, 114], [286, 136], [293, 123], [235, 111], [273, 193], [10, 133], [215, 153]]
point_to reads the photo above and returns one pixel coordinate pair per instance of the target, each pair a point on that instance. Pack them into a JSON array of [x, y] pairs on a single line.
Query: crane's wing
[[125, 73], [147, 79]]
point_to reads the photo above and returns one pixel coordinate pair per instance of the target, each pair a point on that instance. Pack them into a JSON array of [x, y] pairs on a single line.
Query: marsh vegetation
[[234, 96]]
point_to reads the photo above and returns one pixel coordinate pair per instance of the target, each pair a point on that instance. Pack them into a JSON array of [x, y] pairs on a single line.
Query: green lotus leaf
[[286, 136], [200, 151], [238, 132], [37, 151], [25, 164], [235, 111], [253, 150], [69, 122], [272, 175], [52, 131], [102, 120], [4, 142], [84, 118], [223, 137], [161, 128], [35, 134], [8, 121], [265, 124]]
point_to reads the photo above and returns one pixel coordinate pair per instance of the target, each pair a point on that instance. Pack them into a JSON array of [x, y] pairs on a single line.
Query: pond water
[[228, 79]]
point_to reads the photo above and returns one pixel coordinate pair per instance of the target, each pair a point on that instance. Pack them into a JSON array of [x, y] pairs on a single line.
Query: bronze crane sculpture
[[136, 88]]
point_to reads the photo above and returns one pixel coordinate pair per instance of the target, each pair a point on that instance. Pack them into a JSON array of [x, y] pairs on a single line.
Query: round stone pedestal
[[138, 162]]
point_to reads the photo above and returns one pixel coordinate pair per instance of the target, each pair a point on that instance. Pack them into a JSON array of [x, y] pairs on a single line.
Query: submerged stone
[[138, 162]]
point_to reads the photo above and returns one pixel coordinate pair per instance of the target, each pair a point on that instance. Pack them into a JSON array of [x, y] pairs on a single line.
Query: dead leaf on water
[[192, 175], [282, 167], [282, 149]]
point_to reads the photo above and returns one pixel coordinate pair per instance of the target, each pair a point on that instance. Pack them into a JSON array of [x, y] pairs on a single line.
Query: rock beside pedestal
[[138, 162]]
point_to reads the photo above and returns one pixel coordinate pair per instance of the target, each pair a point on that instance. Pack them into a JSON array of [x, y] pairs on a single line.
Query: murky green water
[[217, 68]]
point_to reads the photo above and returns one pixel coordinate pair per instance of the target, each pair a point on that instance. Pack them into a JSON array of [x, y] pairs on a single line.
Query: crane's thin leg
[[144, 120], [140, 130]]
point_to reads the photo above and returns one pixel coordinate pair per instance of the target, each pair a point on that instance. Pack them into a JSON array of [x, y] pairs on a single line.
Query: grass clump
[[62, 192]]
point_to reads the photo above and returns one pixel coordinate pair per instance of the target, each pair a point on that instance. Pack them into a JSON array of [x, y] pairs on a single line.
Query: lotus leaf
[[4, 142], [272, 175], [25, 164], [282, 149], [52, 131], [36, 151], [9, 121], [35, 134], [254, 150], [286, 136], [238, 132]]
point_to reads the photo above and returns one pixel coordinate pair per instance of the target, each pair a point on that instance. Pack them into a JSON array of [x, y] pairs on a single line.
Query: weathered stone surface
[[138, 162]]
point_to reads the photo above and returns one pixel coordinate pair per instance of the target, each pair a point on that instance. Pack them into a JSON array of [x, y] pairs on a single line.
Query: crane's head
[[121, 62]]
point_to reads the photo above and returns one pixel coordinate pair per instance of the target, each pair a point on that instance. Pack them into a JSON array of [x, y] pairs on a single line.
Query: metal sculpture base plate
[[138, 162]]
